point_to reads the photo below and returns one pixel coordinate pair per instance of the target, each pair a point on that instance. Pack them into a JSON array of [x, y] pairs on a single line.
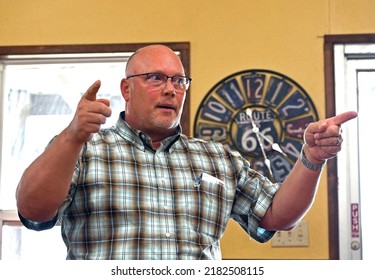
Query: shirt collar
[[141, 139]]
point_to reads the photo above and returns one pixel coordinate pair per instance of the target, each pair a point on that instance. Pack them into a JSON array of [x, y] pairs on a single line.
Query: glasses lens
[[157, 78], [180, 82]]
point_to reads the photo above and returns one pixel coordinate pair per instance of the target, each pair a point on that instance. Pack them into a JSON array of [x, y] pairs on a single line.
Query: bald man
[[144, 190]]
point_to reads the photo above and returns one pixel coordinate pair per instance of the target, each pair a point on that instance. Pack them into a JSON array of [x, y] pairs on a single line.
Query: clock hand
[[256, 131], [275, 146]]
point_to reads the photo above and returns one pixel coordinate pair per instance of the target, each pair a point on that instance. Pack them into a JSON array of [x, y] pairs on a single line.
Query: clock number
[[280, 167], [248, 142], [300, 104], [260, 167], [277, 90], [292, 148], [296, 128], [253, 85], [216, 133], [268, 139], [276, 93], [216, 111], [295, 105], [231, 93]]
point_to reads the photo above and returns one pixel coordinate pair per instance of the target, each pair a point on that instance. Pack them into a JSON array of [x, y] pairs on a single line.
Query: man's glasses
[[180, 83]]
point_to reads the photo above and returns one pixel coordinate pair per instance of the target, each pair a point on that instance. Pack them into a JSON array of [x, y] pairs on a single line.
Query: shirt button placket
[[165, 201]]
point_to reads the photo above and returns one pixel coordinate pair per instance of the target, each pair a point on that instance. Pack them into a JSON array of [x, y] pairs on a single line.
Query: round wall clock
[[260, 113]]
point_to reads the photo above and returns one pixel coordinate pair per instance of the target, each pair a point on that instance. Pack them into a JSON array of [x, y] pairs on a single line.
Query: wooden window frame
[[182, 47]]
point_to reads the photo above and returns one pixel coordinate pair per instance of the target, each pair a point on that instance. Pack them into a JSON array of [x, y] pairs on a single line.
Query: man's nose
[[169, 87]]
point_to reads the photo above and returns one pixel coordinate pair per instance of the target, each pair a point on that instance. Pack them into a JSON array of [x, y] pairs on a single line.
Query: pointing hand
[[323, 138], [91, 113]]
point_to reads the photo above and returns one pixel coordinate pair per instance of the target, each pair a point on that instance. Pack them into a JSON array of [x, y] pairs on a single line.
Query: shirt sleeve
[[37, 226], [254, 195]]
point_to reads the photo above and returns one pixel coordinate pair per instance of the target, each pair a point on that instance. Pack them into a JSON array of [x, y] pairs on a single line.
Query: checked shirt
[[129, 201]]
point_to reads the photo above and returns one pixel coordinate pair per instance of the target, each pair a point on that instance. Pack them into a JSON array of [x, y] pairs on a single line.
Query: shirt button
[[165, 207], [167, 234]]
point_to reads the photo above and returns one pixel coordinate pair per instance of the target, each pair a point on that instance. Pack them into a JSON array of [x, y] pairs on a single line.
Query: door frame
[[329, 79]]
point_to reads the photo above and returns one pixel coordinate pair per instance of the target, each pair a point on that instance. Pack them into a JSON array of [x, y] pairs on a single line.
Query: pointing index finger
[[90, 94], [342, 118]]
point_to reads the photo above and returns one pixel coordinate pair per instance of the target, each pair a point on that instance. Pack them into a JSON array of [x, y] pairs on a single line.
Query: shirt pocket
[[209, 207]]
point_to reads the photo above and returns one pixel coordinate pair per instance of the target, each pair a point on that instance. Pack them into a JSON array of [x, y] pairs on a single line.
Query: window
[[40, 89], [39, 100]]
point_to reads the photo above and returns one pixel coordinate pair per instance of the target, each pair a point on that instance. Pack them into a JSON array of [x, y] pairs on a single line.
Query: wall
[[226, 36]]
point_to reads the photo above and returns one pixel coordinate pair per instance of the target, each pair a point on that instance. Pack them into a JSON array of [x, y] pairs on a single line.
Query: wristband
[[310, 165]]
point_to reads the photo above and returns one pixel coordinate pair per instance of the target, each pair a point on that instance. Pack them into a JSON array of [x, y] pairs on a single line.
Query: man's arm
[[45, 183], [297, 192]]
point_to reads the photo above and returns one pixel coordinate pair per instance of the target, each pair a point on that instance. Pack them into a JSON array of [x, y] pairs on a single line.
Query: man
[[143, 190]]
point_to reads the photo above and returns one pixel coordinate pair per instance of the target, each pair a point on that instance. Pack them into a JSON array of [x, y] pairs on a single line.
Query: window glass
[[19, 243], [39, 100]]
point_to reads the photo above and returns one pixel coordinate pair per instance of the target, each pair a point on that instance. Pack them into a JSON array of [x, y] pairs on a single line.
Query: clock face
[[260, 113]]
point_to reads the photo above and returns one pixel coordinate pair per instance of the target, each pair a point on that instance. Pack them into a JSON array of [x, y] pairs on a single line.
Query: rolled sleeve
[[254, 196], [37, 226]]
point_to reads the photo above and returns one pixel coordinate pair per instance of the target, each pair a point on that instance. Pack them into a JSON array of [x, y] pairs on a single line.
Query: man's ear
[[124, 86]]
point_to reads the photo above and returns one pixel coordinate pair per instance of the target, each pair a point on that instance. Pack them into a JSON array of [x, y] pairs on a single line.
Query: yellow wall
[[226, 36]]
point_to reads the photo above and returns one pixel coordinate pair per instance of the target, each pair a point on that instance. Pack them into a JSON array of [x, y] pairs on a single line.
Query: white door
[[355, 90]]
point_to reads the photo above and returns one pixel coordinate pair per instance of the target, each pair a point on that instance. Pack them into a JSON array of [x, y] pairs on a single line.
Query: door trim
[[329, 83]]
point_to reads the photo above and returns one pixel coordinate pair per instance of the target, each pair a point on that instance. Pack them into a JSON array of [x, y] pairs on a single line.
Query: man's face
[[155, 110]]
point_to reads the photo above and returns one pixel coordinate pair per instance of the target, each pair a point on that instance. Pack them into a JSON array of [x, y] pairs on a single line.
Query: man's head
[[154, 105]]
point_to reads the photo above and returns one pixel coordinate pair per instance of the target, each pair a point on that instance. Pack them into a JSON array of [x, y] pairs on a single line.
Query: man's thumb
[[106, 102]]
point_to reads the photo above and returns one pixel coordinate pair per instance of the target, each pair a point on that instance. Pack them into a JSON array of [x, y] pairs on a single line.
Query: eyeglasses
[[180, 83]]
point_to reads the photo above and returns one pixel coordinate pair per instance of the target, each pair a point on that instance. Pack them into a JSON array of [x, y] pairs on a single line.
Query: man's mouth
[[167, 107]]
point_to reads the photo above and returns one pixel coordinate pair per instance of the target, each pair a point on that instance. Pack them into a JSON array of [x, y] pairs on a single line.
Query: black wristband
[[310, 165]]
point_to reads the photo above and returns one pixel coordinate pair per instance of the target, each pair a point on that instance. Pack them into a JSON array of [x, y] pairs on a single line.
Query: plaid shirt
[[128, 201]]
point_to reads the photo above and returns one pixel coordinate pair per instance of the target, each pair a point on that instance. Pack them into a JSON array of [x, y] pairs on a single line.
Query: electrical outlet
[[297, 237]]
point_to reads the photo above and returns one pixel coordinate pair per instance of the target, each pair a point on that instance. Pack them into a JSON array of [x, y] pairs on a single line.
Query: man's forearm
[[45, 183]]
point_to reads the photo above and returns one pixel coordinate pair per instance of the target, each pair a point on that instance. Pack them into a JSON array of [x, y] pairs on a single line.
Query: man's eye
[[155, 77], [179, 80]]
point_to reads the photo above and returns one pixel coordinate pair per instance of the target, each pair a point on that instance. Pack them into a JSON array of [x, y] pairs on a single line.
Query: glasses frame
[[187, 85]]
